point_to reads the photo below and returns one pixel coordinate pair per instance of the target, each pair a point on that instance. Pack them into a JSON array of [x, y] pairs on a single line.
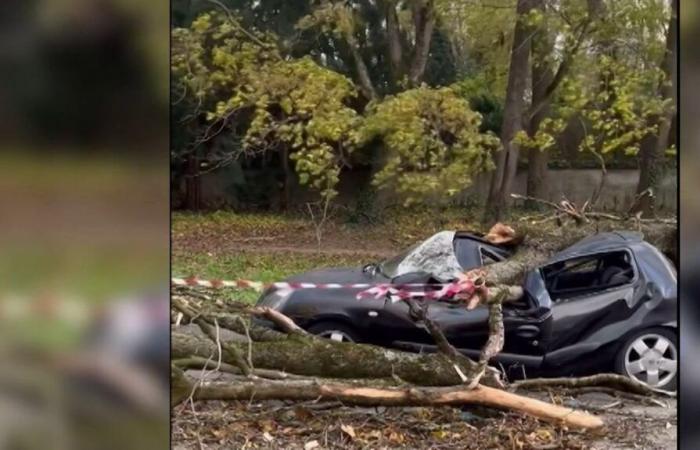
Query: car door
[[587, 292], [524, 326], [468, 329]]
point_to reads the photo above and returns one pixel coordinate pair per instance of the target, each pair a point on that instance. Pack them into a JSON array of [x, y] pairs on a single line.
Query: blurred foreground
[[84, 320], [690, 219], [84, 224]]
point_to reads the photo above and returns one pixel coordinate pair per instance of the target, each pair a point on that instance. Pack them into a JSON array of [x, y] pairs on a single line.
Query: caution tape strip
[[395, 292]]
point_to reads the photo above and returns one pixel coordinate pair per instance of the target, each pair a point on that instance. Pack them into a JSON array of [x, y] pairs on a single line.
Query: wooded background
[[412, 101]]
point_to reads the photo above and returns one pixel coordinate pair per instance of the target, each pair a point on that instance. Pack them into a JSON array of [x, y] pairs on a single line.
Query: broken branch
[[372, 396]]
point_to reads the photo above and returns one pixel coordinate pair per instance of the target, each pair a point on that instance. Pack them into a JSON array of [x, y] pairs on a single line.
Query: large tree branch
[[363, 77], [232, 353], [608, 380], [372, 396], [561, 71], [541, 242]]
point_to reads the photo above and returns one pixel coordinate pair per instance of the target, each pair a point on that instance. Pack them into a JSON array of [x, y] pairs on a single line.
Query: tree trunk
[[424, 21], [287, 179], [513, 112], [193, 183], [542, 77], [394, 43], [541, 242], [653, 147], [334, 359]]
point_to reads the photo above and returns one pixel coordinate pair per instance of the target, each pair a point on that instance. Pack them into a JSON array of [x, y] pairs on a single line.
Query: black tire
[[327, 328], [667, 333]]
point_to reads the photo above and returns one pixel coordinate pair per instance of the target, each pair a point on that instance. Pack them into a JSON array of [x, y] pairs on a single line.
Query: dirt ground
[[284, 425]]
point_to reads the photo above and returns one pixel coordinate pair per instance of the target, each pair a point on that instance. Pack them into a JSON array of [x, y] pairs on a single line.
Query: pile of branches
[[291, 364]]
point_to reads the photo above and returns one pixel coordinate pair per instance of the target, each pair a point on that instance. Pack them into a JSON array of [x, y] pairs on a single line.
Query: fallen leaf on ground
[[311, 445], [349, 430]]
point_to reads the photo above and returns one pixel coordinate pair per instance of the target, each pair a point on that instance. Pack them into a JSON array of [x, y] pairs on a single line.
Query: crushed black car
[[607, 303]]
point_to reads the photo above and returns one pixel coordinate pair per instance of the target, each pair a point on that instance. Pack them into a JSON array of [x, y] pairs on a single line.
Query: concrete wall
[[579, 184]]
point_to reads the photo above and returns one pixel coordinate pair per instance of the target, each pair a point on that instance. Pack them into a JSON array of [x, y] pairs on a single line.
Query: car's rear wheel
[[334, 331], [651, 357]]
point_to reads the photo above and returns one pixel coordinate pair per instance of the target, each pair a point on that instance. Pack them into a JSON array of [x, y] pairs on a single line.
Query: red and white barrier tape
[[464, 285]]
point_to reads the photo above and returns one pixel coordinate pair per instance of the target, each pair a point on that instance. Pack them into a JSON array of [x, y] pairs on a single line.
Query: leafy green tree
[[432, 142], [615, 109], [386, 46], [655, 146], [506, 165], [609, 88], [293, 108]]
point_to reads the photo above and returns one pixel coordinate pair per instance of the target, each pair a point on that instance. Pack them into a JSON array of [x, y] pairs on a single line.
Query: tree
[[547, 76], [654, 146], [613, 100], [506, 165], [432, 142], [295, 109], [385, 46]]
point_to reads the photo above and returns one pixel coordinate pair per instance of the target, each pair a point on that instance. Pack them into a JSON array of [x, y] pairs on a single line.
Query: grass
[[399, 225], [245, 224], [398, 229], [224, 244], [267, 267]]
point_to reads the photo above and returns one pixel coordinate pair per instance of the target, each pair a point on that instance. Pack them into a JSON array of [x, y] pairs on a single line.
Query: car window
[[488, 257], [390, 267], [579, 276], [467, 253]]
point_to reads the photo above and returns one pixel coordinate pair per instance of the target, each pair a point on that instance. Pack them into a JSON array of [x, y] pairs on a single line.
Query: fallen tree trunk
[[300, 390], [542, 241], [330, 359]]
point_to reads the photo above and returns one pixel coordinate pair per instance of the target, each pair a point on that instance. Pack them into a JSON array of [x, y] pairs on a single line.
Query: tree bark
[[513, 113], [653, 147], [609, 380]]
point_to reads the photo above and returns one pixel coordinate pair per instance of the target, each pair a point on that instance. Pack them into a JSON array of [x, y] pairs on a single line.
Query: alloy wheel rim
[[652, 359], [336, 335]]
